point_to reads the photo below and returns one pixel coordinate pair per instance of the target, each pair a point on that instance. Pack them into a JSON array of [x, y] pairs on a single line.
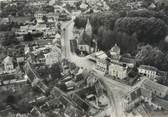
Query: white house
[[148, 71], [118, 70], [39, 17], [57, 38], [101, 62], [8, 64], [53, 57]]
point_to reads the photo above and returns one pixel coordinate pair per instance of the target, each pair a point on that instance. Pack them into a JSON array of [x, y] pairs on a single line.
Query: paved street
[[116, 91], [80, 61]]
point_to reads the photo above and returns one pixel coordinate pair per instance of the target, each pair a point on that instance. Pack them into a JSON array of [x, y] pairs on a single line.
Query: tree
[[10, 99], [28, 37], [80, 22], [148, 14], [107, 39], [43, 72], [48, 8], [132, 72], [149, 55], [9, 40], [55, 71], [163, 45], [45, 19]]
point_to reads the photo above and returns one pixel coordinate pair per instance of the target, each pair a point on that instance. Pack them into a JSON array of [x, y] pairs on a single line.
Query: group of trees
[[9, 39], [8, 26], [30, 37], [131, 28], [17, 10], [127, 43], [54, 71], [148, 26], [148, 30], [48, 8], [152, 56], [97, 20]]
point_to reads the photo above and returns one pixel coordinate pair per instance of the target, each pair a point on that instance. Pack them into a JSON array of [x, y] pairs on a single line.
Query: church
[[85, 40]]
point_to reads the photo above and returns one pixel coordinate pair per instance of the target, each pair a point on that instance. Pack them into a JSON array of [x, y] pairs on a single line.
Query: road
[[80, 61], [116, 91]]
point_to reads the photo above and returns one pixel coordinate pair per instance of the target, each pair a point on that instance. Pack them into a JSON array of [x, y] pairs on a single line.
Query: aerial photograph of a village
[[83, 58]]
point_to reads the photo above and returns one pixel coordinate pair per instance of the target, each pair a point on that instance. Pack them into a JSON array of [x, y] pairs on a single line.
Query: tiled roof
[[101, 55], [8, 60], [151, 85], [146, 93], [127, 60], [7, 77], [147, 67], [4, 20], [80, 39], [57, 36], [161, 102], [73, 112]]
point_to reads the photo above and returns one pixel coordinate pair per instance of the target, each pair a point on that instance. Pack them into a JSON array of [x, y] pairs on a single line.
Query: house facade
[[148, 71], [118, 70], [52, 57], [101, 61], [8, 65], [150, 92], [156, 89]]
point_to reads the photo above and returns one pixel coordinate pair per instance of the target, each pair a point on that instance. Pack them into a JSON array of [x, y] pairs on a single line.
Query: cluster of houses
[[87, 98], [87, 92], [94, 5], [45, 23], [150, 93], [114, 65], [45, 53], [42, 52], [118, 66]]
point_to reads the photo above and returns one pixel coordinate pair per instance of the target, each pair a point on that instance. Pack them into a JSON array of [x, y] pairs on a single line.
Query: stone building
[[101, 62], [149, 71], [85, 39], [53, 57], [118, 70], [8, 64], [149, 92]]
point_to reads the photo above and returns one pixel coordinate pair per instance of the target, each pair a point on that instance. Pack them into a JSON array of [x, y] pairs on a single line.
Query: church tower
[[88, 29]]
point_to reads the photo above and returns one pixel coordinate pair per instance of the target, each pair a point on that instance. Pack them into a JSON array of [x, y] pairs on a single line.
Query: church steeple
[[88, 28]]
